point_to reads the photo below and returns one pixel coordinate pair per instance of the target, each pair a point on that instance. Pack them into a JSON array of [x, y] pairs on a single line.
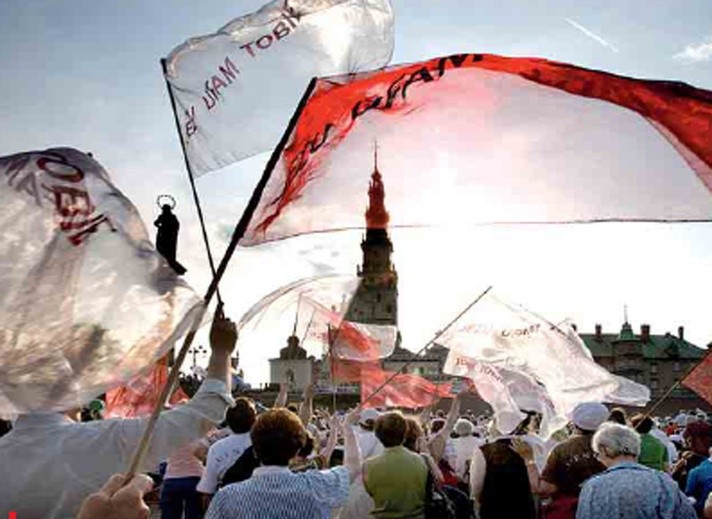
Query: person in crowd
[[698, 439], [499, 484], [660, 435], [618, 415], [276, 492], [50, 463], [570, 463], [463, 445], [183, 472], [360, 504], [699, 484], [627, 489], [653, 452], [395, 479], [308, 458], [224, 453]]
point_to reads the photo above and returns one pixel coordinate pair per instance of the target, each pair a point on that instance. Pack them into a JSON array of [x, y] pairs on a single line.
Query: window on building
[[676, 367], [378, 297], [389, 309], [653, 384], [653, 368]]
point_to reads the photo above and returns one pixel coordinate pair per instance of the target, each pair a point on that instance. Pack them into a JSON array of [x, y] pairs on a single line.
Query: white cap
[[588, 416], [368, 414]]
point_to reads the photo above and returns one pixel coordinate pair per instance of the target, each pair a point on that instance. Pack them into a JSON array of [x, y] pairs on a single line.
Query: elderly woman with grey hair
[[626, 489]]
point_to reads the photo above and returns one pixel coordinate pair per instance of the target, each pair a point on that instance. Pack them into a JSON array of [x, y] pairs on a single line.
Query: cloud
[[591, 35], [698, 53]]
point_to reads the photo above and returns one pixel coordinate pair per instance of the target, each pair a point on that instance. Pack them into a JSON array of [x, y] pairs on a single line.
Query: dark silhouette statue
[[167, 238]]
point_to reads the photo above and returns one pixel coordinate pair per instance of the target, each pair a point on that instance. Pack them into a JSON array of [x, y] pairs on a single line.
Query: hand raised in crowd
[[223, 333], [523, 449], [118, 500]]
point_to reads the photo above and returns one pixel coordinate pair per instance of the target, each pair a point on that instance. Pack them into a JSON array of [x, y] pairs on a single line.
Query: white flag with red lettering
[[236, 89], [477, 138], [86, 302]]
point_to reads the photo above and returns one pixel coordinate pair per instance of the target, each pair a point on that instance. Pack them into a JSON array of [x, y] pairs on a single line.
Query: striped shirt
[[277, 493]]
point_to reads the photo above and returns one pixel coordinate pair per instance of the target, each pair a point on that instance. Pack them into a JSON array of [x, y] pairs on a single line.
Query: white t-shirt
[[222, 455], [368, 443]]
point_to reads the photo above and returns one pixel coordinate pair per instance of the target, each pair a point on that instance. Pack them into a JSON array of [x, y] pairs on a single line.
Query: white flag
[[236, 89], [517, 340], [85, 300]]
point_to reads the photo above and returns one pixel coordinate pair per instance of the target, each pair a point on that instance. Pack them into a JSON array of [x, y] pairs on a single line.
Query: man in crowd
[[653, 452], [224, 453], [50, 463]]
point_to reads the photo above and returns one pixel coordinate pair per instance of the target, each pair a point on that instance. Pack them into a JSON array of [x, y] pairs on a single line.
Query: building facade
[[293, 367]]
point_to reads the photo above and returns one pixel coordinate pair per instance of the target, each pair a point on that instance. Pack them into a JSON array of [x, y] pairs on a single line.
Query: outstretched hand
[[223, 333], [118, 499]]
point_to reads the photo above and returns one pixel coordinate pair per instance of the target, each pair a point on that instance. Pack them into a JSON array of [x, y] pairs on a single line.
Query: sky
[[86, 74]]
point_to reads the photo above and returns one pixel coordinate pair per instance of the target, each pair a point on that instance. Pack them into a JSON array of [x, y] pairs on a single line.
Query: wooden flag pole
[[427, 345], [191, 177], [237, 235]]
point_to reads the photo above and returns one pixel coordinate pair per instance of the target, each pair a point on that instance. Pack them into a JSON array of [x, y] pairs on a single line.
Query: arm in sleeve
[[586, 508], [209, 480], [478, 469], [175, 427], [691, 486]]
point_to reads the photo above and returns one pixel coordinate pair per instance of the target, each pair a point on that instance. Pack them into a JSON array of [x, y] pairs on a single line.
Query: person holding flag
[[50, 463]]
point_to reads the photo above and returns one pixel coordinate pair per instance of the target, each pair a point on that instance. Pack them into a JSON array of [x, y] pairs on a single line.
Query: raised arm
[[281, 397], [331, 440], [306, 408], [352, 451], [438, 442]]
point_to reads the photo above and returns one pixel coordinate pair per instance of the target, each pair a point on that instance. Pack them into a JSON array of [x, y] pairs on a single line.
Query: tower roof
[[376, 215]]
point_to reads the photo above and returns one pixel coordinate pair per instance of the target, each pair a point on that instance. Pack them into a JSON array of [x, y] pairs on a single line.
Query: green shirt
[[396, 481], [653, 452]]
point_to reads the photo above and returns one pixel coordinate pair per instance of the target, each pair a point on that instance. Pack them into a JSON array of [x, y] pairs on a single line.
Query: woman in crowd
[[274, 491], [627, 489], [395, 479]]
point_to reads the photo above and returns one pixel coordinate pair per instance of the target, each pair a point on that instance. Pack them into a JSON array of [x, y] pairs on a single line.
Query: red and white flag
[[476, 138], [235, 89], [86, 302], [404, 390], [699, 379]]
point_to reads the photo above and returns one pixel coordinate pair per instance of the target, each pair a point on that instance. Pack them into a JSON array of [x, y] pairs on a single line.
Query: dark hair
[[390, 429], [241, 417], [277, 437], [308, 447], [618, 415], [436, 425], [641, 423], [413, 431], [293, 408]]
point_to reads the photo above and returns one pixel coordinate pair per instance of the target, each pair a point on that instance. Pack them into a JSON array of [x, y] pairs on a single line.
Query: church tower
[[376, 299]]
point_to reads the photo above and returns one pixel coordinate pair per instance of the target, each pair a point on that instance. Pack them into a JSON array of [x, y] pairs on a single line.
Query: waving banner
[[236, 88], [476, 138], [509, 337], [86, 302]]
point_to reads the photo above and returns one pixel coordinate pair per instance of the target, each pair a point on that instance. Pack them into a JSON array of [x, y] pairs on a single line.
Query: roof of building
[[667, 346]]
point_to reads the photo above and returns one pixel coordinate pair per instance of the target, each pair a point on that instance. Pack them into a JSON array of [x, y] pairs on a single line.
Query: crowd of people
[[222, 457]]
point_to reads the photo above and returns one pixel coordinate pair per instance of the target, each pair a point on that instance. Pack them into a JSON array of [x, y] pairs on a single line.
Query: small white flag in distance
[[86, 302], [236, 89]]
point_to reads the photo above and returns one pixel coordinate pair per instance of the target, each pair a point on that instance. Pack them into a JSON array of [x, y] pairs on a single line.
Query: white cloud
[[591, 34], [698, 53]]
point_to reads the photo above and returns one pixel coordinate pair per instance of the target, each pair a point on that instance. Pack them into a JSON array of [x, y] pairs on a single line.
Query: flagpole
[[237, 234], [427, 345], [191, 177]]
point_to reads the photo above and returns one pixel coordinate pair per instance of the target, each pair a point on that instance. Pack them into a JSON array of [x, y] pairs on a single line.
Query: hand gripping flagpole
[[237, 235], [427, 345], [191, 177]]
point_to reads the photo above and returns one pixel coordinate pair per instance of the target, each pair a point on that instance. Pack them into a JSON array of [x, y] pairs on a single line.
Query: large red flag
[[404, 390], [699, 379], [477, 138]]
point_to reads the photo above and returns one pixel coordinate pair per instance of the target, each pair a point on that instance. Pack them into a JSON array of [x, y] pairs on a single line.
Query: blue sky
[[86, 74]]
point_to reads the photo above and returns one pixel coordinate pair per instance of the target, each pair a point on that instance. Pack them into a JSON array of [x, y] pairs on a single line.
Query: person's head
[[618, 415], [440, 413], [390, 429], [413, 434], [698, 437], [241, 417], [293, 408], [588, 416], [367, 419], [464, 427], [436, 425], [642, 423], [614, 443], [277, 436]]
